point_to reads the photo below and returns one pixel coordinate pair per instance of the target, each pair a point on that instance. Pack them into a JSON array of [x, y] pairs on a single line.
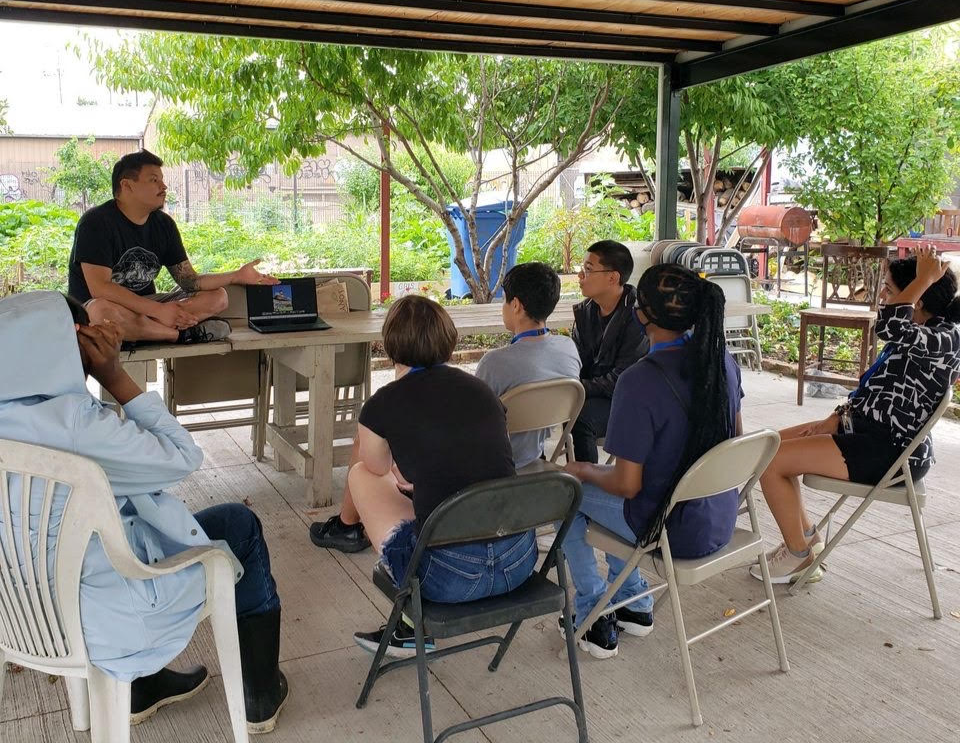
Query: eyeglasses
[[589, 271]]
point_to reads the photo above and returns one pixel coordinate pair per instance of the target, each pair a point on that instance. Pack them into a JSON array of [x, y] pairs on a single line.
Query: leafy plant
[[882, 125], [84, 179]]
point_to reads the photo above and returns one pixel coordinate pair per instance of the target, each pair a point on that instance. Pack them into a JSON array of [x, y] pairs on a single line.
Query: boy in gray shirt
[[531, 292]]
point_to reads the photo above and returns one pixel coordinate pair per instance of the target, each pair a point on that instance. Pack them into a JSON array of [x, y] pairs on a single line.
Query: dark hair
[[940, 300], [615, 256], [77, 310], [418, 332], [675, 298], [536, 285], [129, 166]]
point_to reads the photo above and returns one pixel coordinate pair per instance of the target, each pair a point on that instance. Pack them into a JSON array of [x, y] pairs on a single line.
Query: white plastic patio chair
[[736, 463], [897, 487], [40, 628], [539, 405]]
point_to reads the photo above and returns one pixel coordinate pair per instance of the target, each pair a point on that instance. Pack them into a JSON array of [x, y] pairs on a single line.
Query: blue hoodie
[[131, 628]]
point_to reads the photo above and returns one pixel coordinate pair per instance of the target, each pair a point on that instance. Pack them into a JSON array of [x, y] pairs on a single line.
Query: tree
[[882, 125], [4, 107], [263, 101], [85, 179], [719, 122]]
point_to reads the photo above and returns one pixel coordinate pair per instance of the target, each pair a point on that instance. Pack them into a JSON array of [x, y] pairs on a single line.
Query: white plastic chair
[[736, 463], [40, 628], [897, 487], [539, 405]]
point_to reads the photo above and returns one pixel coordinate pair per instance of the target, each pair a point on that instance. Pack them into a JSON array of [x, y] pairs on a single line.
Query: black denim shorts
[[870, 451]]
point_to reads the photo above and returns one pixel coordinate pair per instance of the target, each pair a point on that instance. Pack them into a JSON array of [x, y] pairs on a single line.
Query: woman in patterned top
[[862, 439]]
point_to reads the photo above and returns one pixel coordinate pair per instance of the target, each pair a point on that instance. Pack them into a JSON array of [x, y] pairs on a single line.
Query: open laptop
[[288, 306]]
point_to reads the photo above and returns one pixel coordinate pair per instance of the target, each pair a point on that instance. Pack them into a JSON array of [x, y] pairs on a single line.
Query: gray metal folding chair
[[897, 487], [736, 463], [483, 512], [539, 405]]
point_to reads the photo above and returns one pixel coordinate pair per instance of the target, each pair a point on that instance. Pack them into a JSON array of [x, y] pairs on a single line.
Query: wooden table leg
[[284, 406], [320, 428]]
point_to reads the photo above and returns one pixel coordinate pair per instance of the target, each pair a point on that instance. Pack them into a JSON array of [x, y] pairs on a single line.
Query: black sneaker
[[335, 535], [150, 693], [207, 331], [401, 645], [601, 640], [636, 623]]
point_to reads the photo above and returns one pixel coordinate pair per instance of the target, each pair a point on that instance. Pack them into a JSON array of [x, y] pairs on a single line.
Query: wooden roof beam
[[352, 38], [254, 13]]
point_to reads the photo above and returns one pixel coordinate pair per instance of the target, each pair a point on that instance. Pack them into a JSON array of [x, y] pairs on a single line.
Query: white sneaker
[[785, 567]]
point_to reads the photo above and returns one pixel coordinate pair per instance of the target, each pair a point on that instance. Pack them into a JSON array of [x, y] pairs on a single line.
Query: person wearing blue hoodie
[[133, 628]]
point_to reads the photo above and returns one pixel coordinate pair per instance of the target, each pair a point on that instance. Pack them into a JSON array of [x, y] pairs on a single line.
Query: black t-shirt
[[446, 430], [134, 252]]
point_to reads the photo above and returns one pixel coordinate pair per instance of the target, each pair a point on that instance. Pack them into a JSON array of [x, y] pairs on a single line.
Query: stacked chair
[[729, 270]]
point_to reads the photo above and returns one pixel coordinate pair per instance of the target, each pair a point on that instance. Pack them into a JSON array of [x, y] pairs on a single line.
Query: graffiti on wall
[[10, 188]]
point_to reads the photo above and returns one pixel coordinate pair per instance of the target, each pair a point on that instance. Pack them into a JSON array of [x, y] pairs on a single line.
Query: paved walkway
[[868, 662]]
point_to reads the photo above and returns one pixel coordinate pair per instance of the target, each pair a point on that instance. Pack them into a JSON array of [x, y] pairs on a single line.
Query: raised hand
[[248, 274]]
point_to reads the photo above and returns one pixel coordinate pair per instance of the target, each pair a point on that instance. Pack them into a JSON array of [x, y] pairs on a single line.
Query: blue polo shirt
[[648, 426]]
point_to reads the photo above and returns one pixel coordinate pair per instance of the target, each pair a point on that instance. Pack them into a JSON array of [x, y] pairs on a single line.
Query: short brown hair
[[418, 332]]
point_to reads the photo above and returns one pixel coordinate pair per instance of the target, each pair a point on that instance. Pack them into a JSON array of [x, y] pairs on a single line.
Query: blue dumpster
[[489, 219]]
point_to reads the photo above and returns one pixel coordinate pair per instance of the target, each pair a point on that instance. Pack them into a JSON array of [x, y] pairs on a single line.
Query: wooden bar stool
[[852, 278]]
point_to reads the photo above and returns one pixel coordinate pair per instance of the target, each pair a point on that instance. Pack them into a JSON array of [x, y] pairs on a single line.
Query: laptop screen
[[291, 299]]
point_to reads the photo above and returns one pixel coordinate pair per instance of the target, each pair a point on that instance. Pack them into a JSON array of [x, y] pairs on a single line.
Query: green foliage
[[35, 241], [360, 182], [19, 215], [84, 179], [4, 107], [882, 122], [559, 236], [224, 91]]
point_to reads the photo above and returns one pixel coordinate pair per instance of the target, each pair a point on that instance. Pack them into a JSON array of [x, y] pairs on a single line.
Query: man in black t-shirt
[[119, 248]]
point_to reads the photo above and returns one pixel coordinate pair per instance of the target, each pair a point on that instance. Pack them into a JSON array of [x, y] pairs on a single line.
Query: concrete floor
[[867, 660]]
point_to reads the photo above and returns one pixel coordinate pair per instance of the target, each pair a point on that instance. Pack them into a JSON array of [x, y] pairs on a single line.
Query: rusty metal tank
[[788, 224]]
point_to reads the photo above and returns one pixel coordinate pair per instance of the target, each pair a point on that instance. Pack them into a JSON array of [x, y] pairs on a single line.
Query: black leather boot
[[150, 693], [264, 685]]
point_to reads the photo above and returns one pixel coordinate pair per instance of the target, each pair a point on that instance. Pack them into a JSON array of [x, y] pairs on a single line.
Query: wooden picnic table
[[943, 244], [312, 354]]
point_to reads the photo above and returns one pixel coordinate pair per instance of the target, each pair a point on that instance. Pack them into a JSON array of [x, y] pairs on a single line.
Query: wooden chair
[[946, 222], [852, 277]]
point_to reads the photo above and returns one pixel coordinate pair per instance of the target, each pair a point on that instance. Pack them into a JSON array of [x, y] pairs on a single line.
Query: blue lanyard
[[529, 334], [681, 341], [415, 369], [881, 360]]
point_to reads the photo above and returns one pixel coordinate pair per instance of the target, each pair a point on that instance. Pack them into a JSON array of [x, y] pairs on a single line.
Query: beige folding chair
[[736, 463], [897, 487], [242, 380], [351, 378], [234, 381], [40, 628], [539, 405]]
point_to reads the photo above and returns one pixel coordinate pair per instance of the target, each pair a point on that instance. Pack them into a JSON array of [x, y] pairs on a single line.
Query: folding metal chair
[[736, 463], [742, 333], [483, 512], [541, 405], [897, 487]]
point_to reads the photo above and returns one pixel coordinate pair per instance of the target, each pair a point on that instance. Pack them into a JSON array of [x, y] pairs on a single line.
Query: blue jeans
[[607, 511], [239, 527], [459, 573]]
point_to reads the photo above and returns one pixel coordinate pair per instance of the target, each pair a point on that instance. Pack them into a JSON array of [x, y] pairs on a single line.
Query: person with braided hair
[[669, 408], [863, 438]]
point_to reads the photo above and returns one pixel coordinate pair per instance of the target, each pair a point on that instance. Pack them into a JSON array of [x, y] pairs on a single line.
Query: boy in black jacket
[[607, 335]]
